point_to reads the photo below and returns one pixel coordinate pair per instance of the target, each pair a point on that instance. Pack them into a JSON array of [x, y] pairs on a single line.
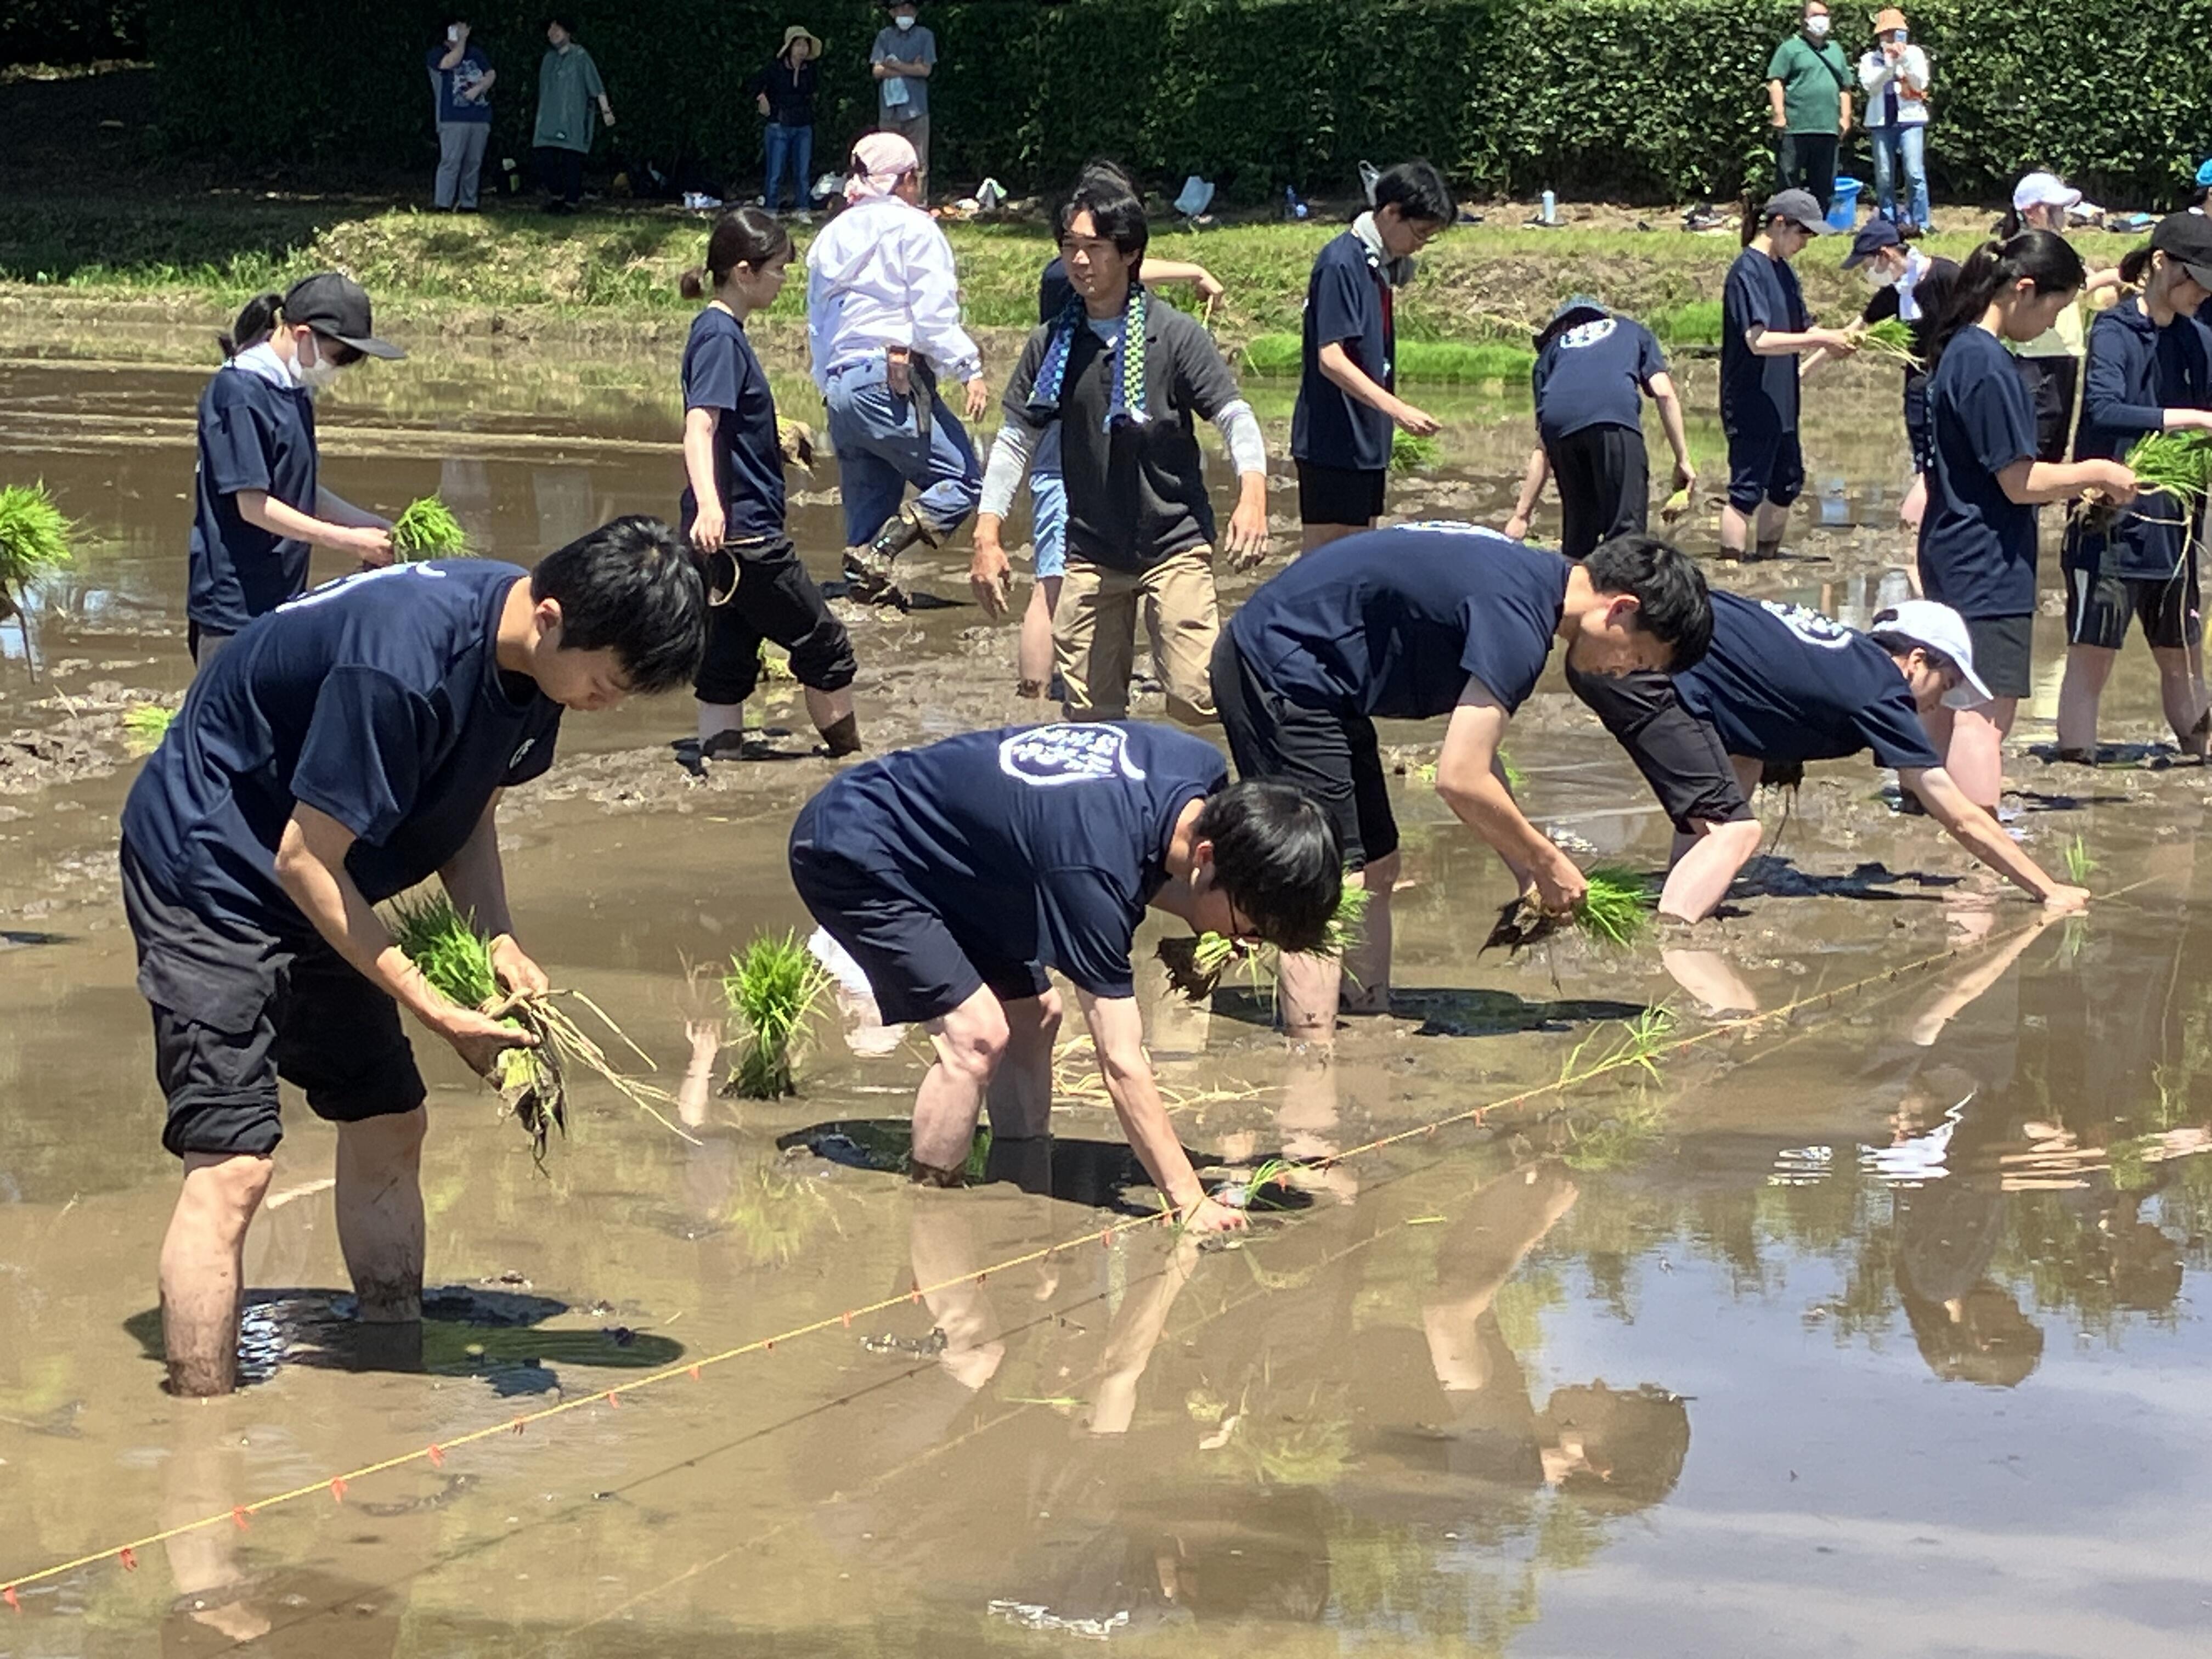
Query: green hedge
[[70, 30], [1639, 99]]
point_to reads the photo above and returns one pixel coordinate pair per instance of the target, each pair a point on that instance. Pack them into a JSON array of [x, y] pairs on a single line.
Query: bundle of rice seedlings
[[775, 987], [2080, 866], [428, 529], [1617, 910], [1196, 962], [1892, 338], [533, 1083], [1251, 1192], [34, 540], [145, 724], [1411, 454]]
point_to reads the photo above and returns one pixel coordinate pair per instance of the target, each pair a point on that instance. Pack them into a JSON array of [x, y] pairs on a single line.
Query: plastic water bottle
[[1551, 209]]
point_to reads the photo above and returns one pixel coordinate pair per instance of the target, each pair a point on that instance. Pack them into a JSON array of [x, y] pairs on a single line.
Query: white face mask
[[1817, 27], [1880, 276], [318, 376], [904, 22]]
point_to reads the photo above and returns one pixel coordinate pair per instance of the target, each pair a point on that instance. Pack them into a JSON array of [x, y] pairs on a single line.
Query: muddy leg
[[203, 1268], [971, 1043], [1364, 985], [2087, 668], [1034, 660], [1020, 1095], [833, 717], [380, 1209], [2181, 687]]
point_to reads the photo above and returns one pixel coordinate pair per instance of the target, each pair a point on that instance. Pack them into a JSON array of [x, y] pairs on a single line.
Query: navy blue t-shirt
[[1594, 374], [721, 372], [1977, 543], [376, 699], [1394, 622], [253, 435], [453, 82], [1783, 683], [1758, 394], [1347, 303], [2135, 371], [1038, 844]]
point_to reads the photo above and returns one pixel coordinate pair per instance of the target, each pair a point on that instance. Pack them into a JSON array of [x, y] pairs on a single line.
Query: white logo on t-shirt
[[1047, 756], [528, 744], [1809, 625], [1588, 334]]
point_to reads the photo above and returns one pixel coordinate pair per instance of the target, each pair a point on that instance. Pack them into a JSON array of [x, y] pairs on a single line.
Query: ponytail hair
[[2041, 258], [2135, 269], [2010, 225], [254, 323], [750, 236], [1752, 222]]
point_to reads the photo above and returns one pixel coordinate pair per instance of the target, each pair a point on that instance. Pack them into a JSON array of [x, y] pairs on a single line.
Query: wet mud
[[1865, 1328]]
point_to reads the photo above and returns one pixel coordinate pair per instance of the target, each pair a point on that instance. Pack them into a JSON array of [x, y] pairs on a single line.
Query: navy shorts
[[1332, 757], [1340, 494], [917, 966], [1681, 756], [1765, 467], [235, 1011]]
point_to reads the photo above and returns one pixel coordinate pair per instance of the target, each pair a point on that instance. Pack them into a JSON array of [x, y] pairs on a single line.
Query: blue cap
[[2204, 175], [1875, 235]]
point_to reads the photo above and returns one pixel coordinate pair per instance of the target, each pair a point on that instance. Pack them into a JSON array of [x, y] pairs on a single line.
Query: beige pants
[[915, 131], [1094, 635]]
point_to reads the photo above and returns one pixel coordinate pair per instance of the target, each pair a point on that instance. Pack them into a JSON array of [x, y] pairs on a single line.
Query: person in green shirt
[[567, 84], [1808, 89]]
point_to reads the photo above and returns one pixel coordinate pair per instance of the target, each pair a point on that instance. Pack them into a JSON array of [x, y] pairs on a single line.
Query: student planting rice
[[259, 504], [2149, 370], [349, 746], [1594, 369], [1783, 685], [2051, 363], [733, 503], [1415, 622], [1911, 289], [1764, 330], [955, 874], [1977, 541]]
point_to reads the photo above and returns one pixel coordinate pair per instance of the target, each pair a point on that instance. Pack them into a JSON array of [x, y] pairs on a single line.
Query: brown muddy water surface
[[1869, 1330]]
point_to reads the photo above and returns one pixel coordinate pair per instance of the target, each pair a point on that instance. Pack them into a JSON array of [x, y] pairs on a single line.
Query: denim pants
[[1904, 147], [792, 147], [879, 453], [460, 162]]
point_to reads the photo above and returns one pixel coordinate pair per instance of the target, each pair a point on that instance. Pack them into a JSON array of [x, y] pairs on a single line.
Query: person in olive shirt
[[1808, 90], [568, 85]]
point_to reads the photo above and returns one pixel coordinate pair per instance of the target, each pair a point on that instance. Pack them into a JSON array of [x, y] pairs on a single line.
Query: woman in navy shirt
[[1977, 540], [733, 509], [2148, 369], [1764, 327], [259, 501]]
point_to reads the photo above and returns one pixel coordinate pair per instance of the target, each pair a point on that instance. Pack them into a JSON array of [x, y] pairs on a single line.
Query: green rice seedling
[[1251, 1192], [35, 541], [1196, 962], [1515, 779], [1409, 454], [2179, 463], [145, 724], [1617, 910], [2080, 866], [1636, 1049], [450, 952], [1891, 337], [428, 529], [775, 667], [775, 986]]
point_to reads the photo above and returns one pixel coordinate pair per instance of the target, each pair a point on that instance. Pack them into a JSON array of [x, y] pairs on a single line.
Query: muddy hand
[[2064, 901], [991, 578], [480, 1040], [1207, 1216], [1248, 537], [1560, 886], [520, 976]]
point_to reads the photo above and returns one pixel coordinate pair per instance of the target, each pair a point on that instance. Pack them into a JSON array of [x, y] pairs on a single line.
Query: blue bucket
[[1844, 205]]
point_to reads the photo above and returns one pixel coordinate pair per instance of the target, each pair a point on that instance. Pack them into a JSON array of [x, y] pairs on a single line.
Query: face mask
[[1817, 27], [904, 22], [1879, 276], [318, 376]]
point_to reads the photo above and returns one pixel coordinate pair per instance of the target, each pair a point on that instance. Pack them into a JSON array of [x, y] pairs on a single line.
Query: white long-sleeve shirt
[[880, 274], [1909, 70]]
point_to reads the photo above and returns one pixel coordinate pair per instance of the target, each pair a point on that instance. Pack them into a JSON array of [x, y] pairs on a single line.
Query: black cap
[[1875, 235], [2186, 237], [336, 306]]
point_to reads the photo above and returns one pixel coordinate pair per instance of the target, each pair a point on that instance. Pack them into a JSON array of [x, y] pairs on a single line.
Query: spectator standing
[[461, 79], [1343, 426], [904, 58], [1895, 77], [785, 92], [568, 84], [1809, 91], [883, 324]]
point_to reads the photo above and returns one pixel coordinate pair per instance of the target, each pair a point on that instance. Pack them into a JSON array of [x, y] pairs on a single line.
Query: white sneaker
[[803, 217]]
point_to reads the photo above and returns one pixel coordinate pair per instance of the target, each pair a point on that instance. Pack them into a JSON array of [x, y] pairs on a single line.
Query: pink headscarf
[[880, 159]]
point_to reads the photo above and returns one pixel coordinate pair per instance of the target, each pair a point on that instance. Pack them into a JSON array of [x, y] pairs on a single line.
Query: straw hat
[[801, 32], [1888, 20]]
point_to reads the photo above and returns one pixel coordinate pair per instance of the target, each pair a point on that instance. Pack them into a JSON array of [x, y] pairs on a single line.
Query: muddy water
[[1869, 1331]]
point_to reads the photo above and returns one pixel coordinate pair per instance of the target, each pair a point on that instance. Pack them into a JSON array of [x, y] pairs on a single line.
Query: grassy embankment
[[1466, 318]]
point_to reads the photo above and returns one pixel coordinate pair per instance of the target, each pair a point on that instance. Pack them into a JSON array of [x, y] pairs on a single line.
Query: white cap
[[2043, 190], [1942, 631]]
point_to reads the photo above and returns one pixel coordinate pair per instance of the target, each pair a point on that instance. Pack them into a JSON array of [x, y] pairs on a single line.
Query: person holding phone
[[461, 79]]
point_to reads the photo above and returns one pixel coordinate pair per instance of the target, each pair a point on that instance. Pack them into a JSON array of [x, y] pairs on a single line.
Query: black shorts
[[2051, 383], [2005, 653], [770, 597], [1332, 757], [918, 967], [2099, 606], [1340, 494], [1764, 466], [1681, 756], [1604, 479], [235, 1010]]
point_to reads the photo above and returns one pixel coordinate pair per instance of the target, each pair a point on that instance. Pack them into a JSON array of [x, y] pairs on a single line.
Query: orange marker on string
[[129, 1557], [614, 1401], [8, 1596], [337, 1489], [238, 1517], [437, 1456], [695, 1373]]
